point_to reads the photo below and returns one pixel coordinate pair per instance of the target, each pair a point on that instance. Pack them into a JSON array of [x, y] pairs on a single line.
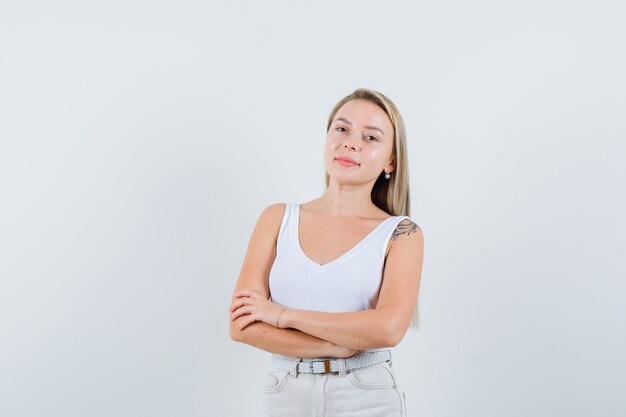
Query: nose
[[349, 142]]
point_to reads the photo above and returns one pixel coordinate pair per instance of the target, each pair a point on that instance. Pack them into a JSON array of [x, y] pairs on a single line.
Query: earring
[[387, 175]]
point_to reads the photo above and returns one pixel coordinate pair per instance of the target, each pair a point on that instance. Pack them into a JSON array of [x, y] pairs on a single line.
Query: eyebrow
[[341, 119]]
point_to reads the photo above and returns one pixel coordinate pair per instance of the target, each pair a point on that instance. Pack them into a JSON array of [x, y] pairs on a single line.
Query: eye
[[374, 138], [339, 129]]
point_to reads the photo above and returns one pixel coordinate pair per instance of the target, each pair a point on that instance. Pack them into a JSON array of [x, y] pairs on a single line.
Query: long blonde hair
[[391, 195]]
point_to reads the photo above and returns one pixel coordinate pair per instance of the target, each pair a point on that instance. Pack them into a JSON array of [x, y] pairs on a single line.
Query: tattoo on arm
[[405, 227]]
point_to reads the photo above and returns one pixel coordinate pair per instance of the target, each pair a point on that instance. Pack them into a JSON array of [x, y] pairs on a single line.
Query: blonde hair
[[390, 195]]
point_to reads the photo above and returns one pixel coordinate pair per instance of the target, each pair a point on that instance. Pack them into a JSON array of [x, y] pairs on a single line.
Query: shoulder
[[407, 237], [274, 211], [270, 218], [407, 227]]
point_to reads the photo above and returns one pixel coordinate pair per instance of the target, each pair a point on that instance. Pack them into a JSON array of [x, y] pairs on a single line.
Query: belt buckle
[[326, 366]]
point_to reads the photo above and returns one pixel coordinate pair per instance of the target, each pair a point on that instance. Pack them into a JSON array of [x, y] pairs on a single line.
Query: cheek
[[329, 151], [330, 145], [376, 159], [376, 156]]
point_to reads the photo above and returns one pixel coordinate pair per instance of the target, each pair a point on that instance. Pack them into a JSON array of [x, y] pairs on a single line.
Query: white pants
[[363, 392]]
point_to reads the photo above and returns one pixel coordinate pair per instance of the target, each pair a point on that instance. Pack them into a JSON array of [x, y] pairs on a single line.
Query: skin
[[362, 131]]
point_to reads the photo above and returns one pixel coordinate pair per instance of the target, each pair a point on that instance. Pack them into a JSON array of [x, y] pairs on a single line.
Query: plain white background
[[140, 141]]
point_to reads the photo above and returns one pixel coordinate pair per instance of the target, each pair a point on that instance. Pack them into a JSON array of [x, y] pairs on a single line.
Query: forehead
[[365, 113]]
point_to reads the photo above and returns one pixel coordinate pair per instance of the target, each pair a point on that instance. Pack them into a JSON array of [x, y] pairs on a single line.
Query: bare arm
[[386, 325], [290, 342], [367, 329], [255, 275]]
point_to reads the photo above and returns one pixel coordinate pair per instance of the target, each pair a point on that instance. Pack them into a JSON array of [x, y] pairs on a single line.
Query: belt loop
[[341, 363], [294, 367]]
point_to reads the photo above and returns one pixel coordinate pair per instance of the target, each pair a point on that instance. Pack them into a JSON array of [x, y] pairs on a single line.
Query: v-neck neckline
[[345, 255]]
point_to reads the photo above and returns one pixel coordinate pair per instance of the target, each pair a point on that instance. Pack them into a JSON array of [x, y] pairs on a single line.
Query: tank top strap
[[388, 233], [284, 224]]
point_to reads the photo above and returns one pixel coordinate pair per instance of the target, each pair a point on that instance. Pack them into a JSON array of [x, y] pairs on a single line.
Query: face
[[362, 132]]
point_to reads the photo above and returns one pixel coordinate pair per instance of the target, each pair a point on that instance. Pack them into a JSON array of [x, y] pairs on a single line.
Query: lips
[[345, 159]]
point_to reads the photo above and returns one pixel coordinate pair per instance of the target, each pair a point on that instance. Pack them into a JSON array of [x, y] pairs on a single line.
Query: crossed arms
[[307, 333]]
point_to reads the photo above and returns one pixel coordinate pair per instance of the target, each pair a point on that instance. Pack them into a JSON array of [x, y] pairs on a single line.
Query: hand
[[257, 307]]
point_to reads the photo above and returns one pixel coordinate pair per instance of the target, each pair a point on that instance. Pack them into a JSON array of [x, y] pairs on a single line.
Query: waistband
[[327, 365]]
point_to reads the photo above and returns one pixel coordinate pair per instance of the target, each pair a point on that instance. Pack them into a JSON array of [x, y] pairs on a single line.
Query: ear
[[391, 165]]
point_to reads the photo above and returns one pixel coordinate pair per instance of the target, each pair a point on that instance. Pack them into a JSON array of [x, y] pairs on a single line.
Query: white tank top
[[348, 283]]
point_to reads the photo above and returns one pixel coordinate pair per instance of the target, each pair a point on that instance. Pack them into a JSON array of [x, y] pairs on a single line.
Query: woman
[[329, 286]]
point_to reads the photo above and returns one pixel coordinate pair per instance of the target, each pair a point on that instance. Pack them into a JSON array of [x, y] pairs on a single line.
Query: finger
[[242, 301], [248, 293], [240, 312], [242, 295], [249, 317], [245, 322]]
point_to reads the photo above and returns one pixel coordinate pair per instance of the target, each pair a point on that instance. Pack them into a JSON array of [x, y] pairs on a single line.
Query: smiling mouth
[[345, 163]]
